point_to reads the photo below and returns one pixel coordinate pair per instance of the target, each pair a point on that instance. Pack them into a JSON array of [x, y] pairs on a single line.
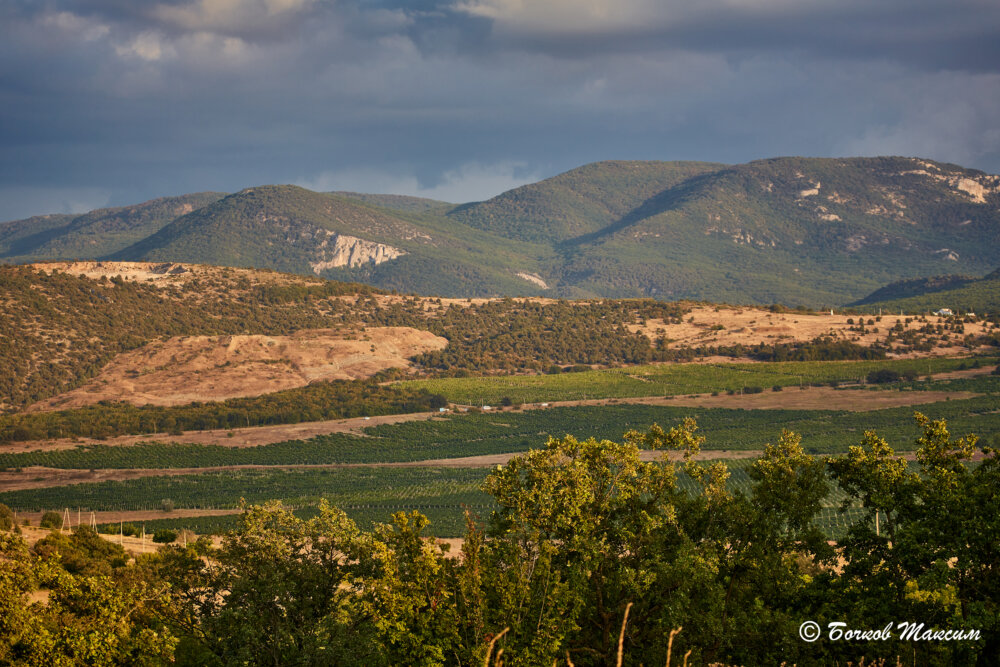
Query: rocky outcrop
[[341, 250], [533, 278]]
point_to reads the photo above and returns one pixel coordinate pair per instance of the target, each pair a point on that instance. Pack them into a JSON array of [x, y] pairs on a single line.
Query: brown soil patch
[[968, 373], [213, 368], [723, 326]]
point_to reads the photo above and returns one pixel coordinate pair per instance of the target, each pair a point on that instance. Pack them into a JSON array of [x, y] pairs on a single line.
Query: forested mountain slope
[[288, 228], [579, 202], [811, 231], [93, 234], [790, 229]]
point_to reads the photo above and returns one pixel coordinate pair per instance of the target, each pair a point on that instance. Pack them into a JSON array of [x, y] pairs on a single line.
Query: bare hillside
[[213, 368]]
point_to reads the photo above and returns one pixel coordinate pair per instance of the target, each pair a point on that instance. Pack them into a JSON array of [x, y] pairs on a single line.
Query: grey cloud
[[112, 97], [927, 33]]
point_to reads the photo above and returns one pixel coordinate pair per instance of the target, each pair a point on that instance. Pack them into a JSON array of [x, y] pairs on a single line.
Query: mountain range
[[812, 231]]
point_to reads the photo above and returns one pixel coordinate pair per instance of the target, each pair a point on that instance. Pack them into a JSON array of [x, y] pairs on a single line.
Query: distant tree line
[[339, 399]]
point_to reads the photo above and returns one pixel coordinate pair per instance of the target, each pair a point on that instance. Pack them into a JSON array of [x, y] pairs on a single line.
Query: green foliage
[[6, 518], [88, 618], [280, 591], [904, 289], [52, 520], [81, 552], [819, 349], [164, 536], [883, 376], [588, 543], [933, 553]]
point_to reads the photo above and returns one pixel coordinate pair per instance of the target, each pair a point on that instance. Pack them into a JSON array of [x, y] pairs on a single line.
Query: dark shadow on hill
[[670, 199], [28, 244]]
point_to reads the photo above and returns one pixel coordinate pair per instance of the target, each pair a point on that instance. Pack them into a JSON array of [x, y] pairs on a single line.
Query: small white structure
[[486, 408], [944, 312], [443, 410]]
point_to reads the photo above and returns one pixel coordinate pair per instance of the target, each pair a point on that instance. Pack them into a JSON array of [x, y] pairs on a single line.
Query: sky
[[114, 102]]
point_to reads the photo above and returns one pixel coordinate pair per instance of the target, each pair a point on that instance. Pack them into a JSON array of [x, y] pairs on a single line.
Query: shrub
[[165, 536], [883, 376], [6, 517], [167, 505], [51, 520], [777, 387], [753, 390]]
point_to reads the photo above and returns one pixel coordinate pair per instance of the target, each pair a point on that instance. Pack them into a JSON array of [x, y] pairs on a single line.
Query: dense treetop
[[592, 557]]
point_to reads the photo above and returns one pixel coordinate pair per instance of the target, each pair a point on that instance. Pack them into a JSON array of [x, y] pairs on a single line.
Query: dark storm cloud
[[924, 33], [108, 101]]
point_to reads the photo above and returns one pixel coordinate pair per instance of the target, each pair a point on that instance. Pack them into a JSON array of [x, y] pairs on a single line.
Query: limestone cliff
[[341, 250]]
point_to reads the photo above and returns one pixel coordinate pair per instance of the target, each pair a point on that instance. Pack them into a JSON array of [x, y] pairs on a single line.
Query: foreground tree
[[86, 619], [281, 590], [933, 552], [594, 555], [586, 528]]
